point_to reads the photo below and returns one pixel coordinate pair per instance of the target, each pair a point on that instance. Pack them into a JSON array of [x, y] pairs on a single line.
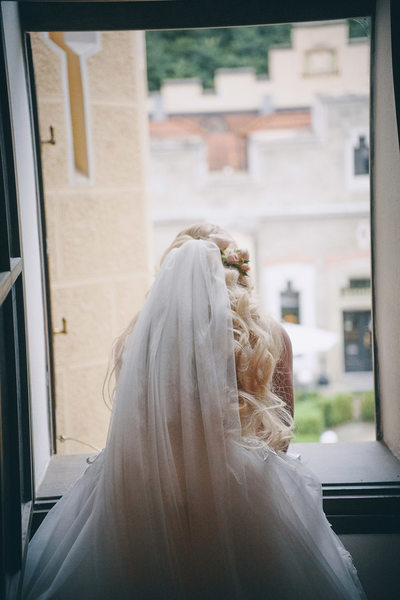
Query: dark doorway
[[357, 340]]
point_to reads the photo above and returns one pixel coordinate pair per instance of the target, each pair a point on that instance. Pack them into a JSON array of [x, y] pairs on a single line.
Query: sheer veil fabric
[[175, 506]]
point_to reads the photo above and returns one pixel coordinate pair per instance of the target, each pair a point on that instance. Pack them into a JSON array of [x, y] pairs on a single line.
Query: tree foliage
[[199, 52], [359, 27]]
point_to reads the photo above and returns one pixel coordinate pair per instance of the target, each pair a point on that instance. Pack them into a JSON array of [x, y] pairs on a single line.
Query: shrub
[[337, 409], [304, 396], [368, 407], [305, 437], [308, 418], [344, 407]]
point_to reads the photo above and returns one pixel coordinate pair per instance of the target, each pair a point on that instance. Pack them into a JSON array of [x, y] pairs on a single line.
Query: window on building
[[357, 158], [357, 332], [361, 157], [290, 304], [320, 61], [363, 283]]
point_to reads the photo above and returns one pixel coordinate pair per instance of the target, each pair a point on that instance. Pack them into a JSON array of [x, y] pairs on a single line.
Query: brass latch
[[52, 139], [63, 329]]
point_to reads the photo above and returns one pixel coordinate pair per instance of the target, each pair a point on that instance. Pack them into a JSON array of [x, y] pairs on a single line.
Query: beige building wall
[[319, 255], [324, 60], [98, 224]]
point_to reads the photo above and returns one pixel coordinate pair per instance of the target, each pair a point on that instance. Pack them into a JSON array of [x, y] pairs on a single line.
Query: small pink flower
[[245, 267], [244, 254], [233, 258]]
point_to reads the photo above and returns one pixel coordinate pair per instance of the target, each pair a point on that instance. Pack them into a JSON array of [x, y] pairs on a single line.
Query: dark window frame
[[351, 507], [180, 14], [16, 473], [42, 238]]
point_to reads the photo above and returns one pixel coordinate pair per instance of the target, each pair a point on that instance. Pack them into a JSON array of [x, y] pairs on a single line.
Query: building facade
[[290, 178]]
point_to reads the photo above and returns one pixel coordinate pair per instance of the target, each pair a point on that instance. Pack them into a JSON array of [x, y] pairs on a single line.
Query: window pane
[[280, 158], [261, 130]]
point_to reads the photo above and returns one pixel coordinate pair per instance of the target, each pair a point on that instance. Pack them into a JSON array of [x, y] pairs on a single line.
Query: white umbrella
[[308, 340]]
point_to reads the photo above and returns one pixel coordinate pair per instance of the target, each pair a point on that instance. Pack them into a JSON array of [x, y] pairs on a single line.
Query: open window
[[16, 494], [219, 154], [358, 481]]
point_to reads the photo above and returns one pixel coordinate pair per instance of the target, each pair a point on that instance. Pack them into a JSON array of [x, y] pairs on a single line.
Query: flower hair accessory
[[236, 258]]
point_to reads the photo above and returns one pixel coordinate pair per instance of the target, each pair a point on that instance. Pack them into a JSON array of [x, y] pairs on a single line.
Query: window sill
[[360, 483], [350, 463]]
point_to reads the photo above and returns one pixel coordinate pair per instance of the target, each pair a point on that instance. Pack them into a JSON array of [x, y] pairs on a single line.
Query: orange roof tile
[[176, 126], [280, 120], [239, 123], [226, 134]]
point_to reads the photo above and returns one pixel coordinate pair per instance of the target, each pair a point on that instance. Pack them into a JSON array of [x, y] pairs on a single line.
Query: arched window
[[361, 157], [290, 304]]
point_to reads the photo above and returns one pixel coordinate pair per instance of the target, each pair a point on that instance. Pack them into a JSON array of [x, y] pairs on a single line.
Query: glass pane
[[274, 147], [261, 130]]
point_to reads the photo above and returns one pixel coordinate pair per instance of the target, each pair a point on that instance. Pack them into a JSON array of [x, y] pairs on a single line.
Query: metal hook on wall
[[63, 329], [52, 139]]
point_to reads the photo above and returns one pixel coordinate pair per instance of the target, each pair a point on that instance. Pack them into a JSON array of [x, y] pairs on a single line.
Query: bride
[[194, 496]]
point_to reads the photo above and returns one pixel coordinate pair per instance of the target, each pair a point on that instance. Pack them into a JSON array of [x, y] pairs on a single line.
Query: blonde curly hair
[[265, 417]]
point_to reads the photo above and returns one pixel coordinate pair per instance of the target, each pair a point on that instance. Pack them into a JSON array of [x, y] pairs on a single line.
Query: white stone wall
[[290, 170], [294, 206], [294, 82]]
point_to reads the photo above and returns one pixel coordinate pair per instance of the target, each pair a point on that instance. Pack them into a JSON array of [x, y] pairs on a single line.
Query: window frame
[[353, 505], [16, 473], [42, 238]]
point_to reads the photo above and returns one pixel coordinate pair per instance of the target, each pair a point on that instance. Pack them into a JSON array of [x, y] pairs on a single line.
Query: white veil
[[175, 507], [176, 402]]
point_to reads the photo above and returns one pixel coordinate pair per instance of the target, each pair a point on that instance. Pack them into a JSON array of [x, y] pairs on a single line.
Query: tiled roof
[[280, 120], [226, 134], [176, 126]]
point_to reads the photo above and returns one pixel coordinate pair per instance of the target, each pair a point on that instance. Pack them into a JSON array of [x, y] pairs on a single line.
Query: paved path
[[356, 431]]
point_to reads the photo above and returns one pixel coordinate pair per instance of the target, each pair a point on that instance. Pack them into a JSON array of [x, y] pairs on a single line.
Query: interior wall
[[377, 556], [386, 228]]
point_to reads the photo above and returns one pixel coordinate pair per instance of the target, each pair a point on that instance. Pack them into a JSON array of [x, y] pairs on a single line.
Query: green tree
[[199, 52], [359, 27]]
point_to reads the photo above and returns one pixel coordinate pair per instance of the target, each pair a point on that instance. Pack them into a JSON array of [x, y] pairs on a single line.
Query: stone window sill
[[360, 483]]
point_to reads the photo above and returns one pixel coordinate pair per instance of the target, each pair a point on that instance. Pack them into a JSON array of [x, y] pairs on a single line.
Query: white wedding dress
[[175, 507]]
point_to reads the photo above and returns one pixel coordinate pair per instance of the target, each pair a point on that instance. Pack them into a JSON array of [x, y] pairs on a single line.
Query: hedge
[[337, 410], [315, 413], [368, 407], [308, 418]]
